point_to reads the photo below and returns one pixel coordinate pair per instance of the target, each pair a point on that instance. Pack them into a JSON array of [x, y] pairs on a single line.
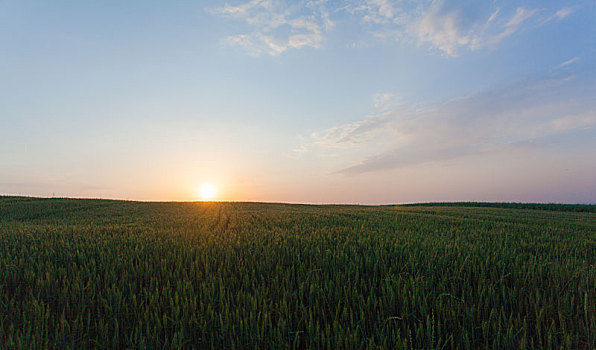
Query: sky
[[365, 102]]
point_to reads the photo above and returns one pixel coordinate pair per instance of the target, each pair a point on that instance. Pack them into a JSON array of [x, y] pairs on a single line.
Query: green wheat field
[[115, 274]]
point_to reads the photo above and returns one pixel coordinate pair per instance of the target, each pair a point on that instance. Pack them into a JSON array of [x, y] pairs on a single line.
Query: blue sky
[[299, 101]]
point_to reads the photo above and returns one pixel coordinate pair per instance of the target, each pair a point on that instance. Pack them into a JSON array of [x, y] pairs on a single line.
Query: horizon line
[[293, 203]]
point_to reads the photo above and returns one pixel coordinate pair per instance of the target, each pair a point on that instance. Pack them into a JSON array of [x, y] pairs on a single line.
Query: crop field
[[117, 274]]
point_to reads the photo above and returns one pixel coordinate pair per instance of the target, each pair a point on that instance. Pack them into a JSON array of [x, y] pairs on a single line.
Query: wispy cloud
[[559, 15], [517, 115], [350, 134], [384, 101], [453, 25], [567, 63], [278, 26], [575, 121], [377, 11], [450, 26]]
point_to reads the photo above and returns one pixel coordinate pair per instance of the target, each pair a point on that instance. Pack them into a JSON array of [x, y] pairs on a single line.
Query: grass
[[97, 273]]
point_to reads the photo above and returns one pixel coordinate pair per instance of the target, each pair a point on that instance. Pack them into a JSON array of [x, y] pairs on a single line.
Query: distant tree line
[[589, 208]]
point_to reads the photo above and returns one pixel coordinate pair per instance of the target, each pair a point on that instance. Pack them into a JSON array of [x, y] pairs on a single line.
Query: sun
[[207, 191]]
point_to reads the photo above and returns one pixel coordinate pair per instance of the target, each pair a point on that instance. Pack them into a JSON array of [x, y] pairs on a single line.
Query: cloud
[[277, 26], [377, 11], [562, 13], [444, 27], [559, 15], [567, 63], [384, 101], [450, 26], [578, 121], [513, 25], [510, 117]]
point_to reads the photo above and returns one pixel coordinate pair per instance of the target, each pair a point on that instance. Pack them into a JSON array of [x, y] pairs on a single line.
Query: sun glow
[[207, 191]]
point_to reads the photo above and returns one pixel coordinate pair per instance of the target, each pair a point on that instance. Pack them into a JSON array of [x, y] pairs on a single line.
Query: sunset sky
[[369, 102]]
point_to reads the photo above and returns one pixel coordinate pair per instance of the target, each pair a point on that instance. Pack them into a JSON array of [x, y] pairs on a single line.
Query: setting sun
[[207, 191]]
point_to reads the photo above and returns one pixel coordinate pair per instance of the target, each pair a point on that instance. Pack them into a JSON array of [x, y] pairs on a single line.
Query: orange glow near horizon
[[207, 191]]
